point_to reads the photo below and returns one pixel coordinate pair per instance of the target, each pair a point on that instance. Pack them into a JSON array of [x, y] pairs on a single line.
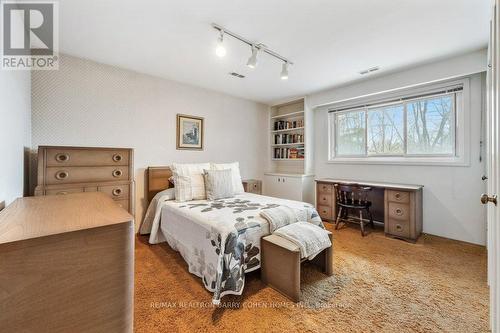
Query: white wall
[[451, 194], [85, 103], [15, 132]]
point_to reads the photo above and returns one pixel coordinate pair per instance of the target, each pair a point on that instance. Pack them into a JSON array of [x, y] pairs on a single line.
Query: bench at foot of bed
[[280, 266]]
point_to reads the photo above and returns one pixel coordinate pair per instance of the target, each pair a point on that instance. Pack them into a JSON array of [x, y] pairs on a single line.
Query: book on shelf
[[283, 124], [288, 138], [288, 153]]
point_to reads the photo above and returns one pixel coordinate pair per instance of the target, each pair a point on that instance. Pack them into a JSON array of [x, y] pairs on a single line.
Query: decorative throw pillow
[[236, 176], [189, 182], [218, 184]]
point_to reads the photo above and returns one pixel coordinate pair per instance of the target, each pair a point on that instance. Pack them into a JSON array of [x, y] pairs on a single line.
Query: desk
[[399, 204]]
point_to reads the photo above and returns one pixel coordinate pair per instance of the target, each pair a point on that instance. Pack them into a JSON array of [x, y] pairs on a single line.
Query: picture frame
[[190, 132]]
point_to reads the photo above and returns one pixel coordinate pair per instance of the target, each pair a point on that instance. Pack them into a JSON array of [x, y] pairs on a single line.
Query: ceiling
[[329, 41]]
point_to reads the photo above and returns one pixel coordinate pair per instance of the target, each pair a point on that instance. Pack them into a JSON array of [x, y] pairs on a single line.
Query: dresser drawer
[[64, 191], [325, 212], [325, 188], [398, 196], [123, 204], [115, 191], [399, 211], [399, 228], [85, 174], [324, 199], [86, 157]]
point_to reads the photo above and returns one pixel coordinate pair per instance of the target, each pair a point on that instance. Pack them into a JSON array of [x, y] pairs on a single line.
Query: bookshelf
[[289, 137], [290, 152]]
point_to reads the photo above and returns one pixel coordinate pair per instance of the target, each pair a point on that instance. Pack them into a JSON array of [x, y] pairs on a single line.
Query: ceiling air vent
[[238, 75], [369, 70]]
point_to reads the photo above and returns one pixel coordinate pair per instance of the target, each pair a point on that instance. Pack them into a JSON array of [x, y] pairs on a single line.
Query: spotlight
[[220, 50], [252, 61], [284, 71]]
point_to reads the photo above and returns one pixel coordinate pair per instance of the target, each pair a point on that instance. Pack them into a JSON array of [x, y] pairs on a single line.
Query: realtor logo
[[30, 38]]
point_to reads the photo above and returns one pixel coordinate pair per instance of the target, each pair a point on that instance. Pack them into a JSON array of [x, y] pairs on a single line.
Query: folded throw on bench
[[310, 238], [281, 216]]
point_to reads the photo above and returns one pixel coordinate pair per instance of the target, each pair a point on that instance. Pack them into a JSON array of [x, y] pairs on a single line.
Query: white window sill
[[424, 161]]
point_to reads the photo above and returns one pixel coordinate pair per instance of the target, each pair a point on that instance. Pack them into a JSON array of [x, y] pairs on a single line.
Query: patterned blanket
[[220, 240]]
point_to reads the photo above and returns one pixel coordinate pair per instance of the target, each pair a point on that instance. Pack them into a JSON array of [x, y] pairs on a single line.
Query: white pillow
[[189, 182], [235, 170]]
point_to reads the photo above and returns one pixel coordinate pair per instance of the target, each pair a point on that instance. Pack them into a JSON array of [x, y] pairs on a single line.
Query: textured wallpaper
[[90, 104]]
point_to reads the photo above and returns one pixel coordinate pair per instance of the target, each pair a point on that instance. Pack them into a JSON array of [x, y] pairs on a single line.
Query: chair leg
[[361, 223], [338, 218], [371, 217]]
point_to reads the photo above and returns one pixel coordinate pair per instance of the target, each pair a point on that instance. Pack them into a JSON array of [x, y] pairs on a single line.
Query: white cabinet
[[289, 186]]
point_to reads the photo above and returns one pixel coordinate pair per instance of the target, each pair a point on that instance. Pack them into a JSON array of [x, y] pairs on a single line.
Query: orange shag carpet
[[379, 285]]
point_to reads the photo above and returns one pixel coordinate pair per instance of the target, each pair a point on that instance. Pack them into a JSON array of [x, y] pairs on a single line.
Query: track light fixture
[[256, 48], [252, 61], [284, 71], [220, 50]]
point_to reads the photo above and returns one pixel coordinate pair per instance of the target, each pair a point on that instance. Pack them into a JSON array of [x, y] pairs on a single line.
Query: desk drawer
[[399, 211], [325, 188], [85, 174], [325, 212], [398, 196], [399, 228], [324, 199]]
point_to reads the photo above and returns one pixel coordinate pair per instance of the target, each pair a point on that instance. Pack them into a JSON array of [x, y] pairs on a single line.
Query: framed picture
[[189, 132]]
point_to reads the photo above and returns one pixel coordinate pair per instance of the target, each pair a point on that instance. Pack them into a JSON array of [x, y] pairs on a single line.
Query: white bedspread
[[220, 240]]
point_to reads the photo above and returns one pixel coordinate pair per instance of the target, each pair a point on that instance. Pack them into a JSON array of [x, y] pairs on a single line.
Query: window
[[411, 128]]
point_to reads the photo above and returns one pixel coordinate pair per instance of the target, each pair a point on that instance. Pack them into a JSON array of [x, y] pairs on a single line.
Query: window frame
[[461, 128]]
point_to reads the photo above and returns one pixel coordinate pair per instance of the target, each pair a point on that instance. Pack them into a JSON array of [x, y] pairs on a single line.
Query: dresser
[[401, 205], [64, 170], [67, 265], [298, 187]]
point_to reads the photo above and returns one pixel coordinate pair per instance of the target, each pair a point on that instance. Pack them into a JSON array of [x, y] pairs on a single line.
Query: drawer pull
[[117, 157], [62, 193], [399, 227], [117, 173], [399, 211], [62, 157], [117, 191], [324, 187], [60, 175], [397, 196]]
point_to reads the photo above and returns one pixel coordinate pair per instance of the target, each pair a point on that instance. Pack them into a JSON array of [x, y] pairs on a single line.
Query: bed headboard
[[158, 180]]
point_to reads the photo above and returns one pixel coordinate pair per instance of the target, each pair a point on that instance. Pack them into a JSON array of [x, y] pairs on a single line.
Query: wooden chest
[[67, 265], [64, 170]]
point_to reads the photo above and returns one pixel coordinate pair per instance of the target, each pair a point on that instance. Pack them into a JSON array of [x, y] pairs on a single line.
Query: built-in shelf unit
[[290, 172], [289, 137]]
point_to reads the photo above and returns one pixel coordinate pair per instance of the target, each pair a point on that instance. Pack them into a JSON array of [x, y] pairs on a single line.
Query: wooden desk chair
[[355, 197]]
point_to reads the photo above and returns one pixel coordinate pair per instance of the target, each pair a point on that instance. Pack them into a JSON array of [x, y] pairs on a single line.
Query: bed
[[219, 240]]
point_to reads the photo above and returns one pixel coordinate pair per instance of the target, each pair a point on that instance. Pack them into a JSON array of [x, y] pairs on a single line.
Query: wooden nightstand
[[252, 186]]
